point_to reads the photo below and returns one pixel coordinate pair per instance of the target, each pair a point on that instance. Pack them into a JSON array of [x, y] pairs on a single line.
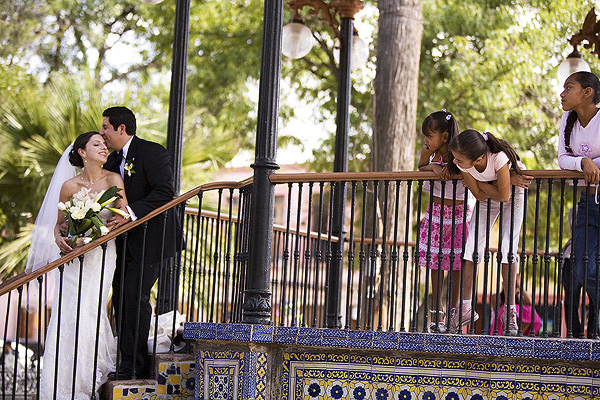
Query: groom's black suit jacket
[[148, 186]]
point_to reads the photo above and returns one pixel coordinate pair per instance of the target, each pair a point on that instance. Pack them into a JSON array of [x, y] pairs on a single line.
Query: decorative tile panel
[[231, 375], [131, 392], [318, 376], [324, 364]]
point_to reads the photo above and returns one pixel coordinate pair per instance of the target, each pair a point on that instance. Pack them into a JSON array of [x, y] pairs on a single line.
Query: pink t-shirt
[[495, 161]]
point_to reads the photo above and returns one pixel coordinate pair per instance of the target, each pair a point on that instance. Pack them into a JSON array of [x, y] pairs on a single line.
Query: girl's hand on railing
[[522, 181], [445, 174], [436, 169], [591, 172]]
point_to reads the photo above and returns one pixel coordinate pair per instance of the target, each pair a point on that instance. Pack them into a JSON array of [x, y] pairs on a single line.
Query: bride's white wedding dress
[[88, 298]]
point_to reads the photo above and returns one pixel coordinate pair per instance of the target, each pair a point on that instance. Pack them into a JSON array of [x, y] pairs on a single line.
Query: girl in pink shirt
[[443, 220]]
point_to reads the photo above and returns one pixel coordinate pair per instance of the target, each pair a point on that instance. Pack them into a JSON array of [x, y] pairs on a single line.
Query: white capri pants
[[495, 205]]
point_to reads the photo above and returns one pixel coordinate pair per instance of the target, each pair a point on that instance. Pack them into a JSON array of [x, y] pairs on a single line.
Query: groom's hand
[[116, 221]]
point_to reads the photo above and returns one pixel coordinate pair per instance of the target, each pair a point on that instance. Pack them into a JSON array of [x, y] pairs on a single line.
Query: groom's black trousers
[[126, 286]]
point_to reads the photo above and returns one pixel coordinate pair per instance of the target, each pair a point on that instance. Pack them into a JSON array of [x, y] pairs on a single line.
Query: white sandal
[[441, 324]]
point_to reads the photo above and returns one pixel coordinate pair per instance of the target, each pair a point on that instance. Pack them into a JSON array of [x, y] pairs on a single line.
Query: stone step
[[129, 390], [175, 379]]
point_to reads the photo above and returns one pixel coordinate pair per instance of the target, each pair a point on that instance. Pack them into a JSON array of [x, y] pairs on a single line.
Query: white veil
[[43, 248]]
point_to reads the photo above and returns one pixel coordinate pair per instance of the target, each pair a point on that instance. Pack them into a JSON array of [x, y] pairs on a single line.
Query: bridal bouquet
[[82, 213]]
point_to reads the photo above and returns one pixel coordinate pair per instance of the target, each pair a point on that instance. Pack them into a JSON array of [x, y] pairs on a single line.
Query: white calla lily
[[107, 202], [120, 212]]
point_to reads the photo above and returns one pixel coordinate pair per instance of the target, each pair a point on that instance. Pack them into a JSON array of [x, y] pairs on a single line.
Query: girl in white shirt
[[485, 162], [579, 149]]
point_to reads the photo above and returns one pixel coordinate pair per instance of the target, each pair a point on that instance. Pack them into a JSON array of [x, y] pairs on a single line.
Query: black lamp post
[[257, 294], [296, 44], [178, 89]]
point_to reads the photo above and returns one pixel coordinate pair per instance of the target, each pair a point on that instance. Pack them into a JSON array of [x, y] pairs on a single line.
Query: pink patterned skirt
[[433, 245]]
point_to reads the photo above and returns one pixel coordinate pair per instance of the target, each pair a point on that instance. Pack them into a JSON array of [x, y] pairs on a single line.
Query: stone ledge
[[502, 346]]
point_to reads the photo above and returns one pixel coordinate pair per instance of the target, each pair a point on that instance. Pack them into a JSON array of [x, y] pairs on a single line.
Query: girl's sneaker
[[441, 321], [457, 323], [512, 322]]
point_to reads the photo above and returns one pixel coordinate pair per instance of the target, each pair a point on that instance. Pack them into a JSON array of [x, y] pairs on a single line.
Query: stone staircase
[[175, 379]]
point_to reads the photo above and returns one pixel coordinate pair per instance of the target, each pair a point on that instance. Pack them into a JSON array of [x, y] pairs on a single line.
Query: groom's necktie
[[121, 158]]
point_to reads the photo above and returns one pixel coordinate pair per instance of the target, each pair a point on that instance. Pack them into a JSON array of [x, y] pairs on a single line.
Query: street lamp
[[590, 32], [298, 39]]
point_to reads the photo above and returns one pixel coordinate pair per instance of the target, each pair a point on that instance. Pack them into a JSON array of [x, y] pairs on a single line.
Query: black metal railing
[[383, 288], [381, 284]]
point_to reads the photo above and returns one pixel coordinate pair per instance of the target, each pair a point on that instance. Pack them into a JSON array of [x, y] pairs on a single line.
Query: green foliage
[[36, 126]]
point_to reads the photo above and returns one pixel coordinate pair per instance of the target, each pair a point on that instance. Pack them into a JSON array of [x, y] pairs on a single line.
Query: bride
[[77, 344]]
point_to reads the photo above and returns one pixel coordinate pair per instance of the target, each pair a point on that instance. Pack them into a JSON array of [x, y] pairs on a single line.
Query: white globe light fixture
[[151, 1], [359, 54], [297, 40], [573, 63]]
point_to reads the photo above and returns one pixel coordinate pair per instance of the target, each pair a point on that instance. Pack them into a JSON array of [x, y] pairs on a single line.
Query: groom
[[146, 170]]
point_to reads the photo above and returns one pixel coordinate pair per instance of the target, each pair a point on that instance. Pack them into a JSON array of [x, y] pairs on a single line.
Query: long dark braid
[[585, 79], [568, 129]]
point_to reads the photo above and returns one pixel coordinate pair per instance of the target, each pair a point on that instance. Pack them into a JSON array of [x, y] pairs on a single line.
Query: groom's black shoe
[[120, 375]]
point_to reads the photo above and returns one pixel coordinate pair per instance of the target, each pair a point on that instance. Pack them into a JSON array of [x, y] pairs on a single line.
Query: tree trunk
[[395, 104]]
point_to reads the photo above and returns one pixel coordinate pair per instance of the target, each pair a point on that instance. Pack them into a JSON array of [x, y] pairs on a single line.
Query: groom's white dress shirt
[[124, 150]]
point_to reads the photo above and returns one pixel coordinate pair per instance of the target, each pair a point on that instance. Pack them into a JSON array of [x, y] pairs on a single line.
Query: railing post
[[340, 164], [257, 296]]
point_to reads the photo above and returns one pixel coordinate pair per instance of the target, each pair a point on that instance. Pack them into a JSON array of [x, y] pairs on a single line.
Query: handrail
[[23, 278], [399, 175]]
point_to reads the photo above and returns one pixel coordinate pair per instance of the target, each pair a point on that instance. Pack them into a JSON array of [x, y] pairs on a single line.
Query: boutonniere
[[129, 167]]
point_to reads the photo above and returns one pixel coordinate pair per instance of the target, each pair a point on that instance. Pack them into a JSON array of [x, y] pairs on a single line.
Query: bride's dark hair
[[80, 143]]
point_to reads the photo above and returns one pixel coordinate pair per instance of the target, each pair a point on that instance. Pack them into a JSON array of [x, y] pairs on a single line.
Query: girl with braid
[[579, 149]]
